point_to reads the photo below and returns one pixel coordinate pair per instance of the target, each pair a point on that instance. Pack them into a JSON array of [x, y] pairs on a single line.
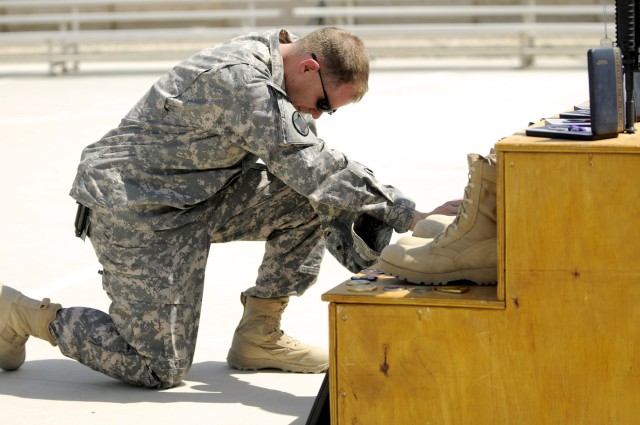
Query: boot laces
[[273, 322], [461, 210], [288, 341], [278, 334]]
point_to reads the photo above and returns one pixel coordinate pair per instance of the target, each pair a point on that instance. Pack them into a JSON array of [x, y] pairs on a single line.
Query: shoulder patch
[[299, 123]]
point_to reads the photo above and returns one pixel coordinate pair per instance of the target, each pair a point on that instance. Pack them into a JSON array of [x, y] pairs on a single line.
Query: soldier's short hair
[[343, 57]]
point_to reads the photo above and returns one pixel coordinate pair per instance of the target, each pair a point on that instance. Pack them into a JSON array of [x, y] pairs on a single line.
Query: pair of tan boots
[[258, 342], [449, 248]]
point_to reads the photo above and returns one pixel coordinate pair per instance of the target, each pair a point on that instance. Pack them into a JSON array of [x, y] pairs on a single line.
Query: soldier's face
[[305, 89], [336, 96]]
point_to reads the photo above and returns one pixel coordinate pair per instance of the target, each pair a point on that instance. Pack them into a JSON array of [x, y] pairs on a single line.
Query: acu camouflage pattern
[[206, 122], [180, 172], [155, 278]]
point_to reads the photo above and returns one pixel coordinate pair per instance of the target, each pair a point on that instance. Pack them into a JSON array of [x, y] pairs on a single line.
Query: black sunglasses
[[323, 104]]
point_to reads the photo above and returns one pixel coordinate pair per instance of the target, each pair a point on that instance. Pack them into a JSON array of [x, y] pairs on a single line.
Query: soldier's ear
[[307, 65]]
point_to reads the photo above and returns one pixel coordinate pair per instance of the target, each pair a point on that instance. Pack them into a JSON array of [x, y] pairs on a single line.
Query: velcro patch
[[299, 123]]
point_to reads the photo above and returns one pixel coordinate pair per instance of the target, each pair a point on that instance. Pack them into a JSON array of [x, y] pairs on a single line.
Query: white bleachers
[[522, 30], [65, 33]]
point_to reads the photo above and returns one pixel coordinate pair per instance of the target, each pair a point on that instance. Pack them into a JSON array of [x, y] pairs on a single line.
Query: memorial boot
[[259, 343], [467, 249], [21, 317]]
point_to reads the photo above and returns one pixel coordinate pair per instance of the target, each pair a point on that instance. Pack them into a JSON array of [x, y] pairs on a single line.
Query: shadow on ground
[[208, 382]]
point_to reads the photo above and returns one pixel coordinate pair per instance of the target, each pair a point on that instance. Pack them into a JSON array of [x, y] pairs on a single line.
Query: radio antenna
[[626, 13], [606, 41]]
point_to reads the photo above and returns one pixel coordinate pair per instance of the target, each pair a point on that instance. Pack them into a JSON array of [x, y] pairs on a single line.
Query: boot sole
[[244, 363], [479, 276]]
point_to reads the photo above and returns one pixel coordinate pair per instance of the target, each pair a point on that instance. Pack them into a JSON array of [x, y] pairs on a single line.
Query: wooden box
[[557, 341]]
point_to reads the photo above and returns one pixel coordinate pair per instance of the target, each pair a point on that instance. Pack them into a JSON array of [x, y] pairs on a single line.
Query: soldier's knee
[[171, 378]]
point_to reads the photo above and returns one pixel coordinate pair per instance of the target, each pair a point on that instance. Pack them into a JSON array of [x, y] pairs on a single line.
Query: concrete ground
[[414, 129]]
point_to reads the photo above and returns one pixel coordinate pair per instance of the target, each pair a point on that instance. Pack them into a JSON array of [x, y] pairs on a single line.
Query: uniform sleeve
[[271, 128]]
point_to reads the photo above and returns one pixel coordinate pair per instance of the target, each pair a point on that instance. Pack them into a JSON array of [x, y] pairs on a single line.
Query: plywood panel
[[576, 212], [575, 343], [412, 365]]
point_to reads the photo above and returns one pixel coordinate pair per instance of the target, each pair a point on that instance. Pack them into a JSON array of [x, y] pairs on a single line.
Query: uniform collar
[[281, 36]]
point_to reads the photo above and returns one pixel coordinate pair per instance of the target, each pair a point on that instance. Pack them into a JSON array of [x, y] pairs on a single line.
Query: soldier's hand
[[448, 208]]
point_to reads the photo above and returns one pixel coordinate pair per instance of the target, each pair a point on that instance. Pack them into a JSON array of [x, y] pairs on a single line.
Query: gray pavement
[[414, 129]]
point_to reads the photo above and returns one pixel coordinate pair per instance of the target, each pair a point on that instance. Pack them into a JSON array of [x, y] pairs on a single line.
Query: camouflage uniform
[[180, 172]]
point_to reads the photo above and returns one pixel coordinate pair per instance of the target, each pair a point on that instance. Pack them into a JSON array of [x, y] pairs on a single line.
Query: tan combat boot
[[259, 343], [466, 250], [21, 317]]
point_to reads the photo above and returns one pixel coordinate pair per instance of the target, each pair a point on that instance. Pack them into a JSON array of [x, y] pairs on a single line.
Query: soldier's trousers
[[155, 279]]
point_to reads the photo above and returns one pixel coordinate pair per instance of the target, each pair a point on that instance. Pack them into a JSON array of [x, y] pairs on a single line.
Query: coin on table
[[393, 288], [355, 282], [420, 289], [362, 288]]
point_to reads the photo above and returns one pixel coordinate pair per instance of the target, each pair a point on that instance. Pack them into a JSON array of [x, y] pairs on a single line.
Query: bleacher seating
[[65, 33]]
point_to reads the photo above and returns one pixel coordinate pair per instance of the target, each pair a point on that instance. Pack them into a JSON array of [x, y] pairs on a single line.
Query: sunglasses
[[323, 104]]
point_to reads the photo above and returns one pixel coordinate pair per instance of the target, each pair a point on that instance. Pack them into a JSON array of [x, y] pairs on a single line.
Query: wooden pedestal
[[557, 341]]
